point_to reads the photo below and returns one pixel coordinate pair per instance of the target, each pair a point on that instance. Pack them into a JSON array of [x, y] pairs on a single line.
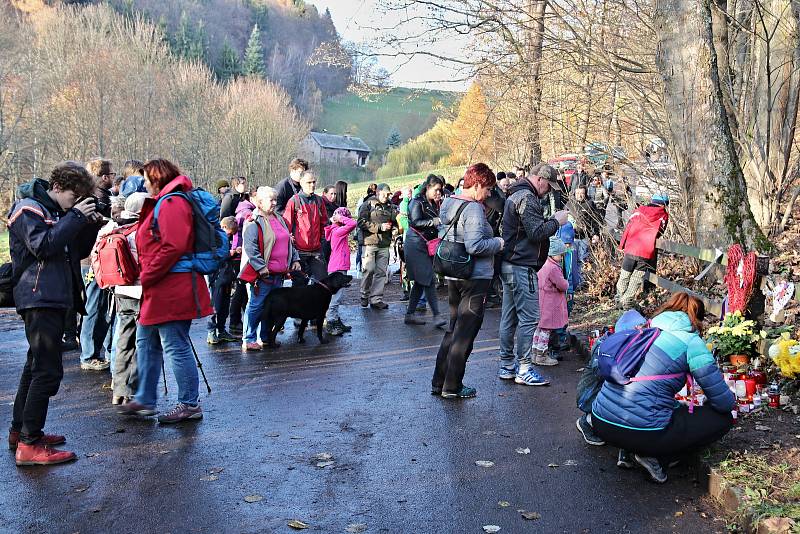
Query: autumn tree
[[471, 135]]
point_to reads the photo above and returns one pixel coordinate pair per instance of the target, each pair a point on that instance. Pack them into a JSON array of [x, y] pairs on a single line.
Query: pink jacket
[[336, 235], [552, 296]]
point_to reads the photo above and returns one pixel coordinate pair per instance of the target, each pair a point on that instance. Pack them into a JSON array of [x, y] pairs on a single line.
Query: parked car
[[567, 164]]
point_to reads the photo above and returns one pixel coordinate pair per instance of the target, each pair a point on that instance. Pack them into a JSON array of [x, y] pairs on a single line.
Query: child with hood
[[552, 301], [337, 234], [571, 268]]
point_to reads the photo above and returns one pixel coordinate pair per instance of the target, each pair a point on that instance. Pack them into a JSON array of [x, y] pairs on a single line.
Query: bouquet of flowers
[[786, 355], [736, 335]]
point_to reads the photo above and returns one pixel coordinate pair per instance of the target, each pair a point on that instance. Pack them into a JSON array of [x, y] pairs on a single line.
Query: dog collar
[[326, 287]]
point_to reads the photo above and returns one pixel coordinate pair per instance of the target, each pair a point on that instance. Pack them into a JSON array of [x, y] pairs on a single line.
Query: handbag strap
[[455, 220]]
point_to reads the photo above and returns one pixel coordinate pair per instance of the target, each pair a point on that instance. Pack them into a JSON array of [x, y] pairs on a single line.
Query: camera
[[100, 206]]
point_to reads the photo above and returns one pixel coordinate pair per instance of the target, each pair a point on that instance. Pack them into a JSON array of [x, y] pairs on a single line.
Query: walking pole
[[200, 365], [164, 373]]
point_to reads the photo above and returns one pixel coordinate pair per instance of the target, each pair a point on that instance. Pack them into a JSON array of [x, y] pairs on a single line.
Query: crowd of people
[[520, 237]]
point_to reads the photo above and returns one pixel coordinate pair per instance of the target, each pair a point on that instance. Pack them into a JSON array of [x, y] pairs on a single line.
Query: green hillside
[[356, 191], [411, 111]]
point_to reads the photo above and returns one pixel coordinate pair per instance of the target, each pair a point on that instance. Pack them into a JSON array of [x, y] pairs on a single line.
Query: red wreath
[[740, 278]]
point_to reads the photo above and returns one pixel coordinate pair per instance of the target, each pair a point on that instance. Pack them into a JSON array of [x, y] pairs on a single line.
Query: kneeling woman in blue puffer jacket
[[644, 418]]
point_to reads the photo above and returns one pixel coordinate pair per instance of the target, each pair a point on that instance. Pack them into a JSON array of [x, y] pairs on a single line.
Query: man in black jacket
[[527, 239], [290, 186], [230, 200], [48, 234]]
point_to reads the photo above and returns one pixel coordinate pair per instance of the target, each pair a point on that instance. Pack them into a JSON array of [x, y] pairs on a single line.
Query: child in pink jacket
[[552, 302], [336, 234]]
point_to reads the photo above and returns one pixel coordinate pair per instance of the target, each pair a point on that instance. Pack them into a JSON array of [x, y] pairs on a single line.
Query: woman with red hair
[[170, 300], [467, 297], [642, 418]]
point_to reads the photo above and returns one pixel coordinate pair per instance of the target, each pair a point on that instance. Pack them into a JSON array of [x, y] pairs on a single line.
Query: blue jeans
[[96, 329], [152, 342], [520, 313], [256, 295]]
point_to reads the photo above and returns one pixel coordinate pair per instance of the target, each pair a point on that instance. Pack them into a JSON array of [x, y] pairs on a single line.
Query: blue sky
[[360, 21]]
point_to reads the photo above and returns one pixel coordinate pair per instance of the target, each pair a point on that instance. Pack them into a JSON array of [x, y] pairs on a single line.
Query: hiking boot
[[236, 329], [227, 337], [544, 359], [364, 302], [465, 392], [41, 454], [531, 378], [411, 319], [624, 460], [251, 347], [345, 327], [136, 408], [653, 468], [50, 440], [181, 412], [439, 321], [380, 305], [506, 374], [212, 338], [95, 364], [587, 431]]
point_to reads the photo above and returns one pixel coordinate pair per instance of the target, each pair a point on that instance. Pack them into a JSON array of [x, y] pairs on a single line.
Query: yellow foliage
[[471, 136]]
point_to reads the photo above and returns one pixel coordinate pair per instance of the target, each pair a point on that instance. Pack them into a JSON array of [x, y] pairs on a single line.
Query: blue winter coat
[[46, 247], [648, 405]]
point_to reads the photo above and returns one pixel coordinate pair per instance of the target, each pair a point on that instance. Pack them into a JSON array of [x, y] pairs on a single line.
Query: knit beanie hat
[[660, 198], [221, 183], [342, 212], [567, 233], [557, 247]]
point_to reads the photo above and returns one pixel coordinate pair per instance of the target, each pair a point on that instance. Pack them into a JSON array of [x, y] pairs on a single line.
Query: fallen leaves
[[323, 465], [297, 524], [570, 463], [81, 489], [503, 504], [484, 463], [531, 516], [763, 428], [553, 465], [323, 460], [491, 528], [254, 498], [355, 528], [520, 450]]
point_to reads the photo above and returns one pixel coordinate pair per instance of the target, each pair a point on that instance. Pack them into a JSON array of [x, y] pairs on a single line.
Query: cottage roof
[[339, 142]]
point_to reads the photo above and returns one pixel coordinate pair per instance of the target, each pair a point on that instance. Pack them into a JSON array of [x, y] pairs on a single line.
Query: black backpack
[[6, 286]]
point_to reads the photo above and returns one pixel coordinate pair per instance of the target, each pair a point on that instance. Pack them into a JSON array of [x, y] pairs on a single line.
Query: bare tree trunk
[[708, 166], [535, 40]]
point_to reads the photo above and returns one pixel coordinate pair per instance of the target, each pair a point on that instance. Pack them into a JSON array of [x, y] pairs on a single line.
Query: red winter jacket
[[645, 226], [306, 218], [169, 296]]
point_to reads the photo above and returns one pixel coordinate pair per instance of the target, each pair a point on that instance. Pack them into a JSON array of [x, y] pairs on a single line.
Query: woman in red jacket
[[170, 300]]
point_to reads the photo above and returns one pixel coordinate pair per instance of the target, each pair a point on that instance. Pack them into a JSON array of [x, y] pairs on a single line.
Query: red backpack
[[112, 260]]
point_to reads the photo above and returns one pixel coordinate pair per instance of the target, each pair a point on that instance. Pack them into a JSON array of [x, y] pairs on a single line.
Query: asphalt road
[[403, 460]]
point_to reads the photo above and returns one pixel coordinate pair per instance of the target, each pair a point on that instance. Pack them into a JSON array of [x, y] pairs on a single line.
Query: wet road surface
[[403, 460]]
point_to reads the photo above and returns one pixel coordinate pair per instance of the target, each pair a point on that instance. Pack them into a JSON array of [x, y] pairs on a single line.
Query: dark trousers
[[221, 287], [467, 299], [42, 373], [71, 325], [238, 301], [685, 433], [430, 295], [124, 371], [311, 264]]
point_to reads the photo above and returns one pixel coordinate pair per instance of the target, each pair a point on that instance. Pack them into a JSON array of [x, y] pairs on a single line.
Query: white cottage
[[341, 150]]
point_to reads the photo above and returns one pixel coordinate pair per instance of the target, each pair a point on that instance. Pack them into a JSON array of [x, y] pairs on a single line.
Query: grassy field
[[410, 111], [356, 191]]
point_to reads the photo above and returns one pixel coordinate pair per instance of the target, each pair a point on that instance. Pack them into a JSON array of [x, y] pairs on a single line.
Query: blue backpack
[[621, 354], [211, 246]]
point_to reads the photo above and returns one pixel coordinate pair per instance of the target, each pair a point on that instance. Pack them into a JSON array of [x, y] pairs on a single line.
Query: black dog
[[301, 302]]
